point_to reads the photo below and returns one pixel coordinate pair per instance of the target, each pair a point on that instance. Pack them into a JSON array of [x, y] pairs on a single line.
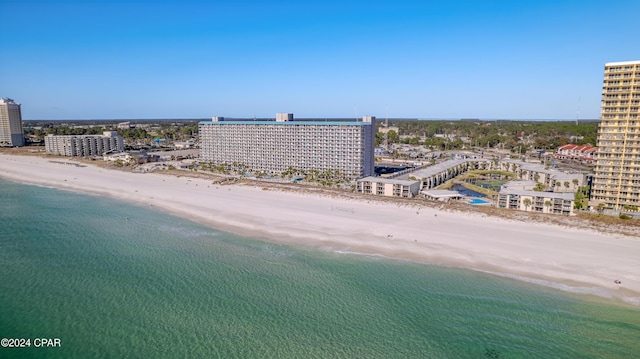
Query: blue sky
[[421, 59]]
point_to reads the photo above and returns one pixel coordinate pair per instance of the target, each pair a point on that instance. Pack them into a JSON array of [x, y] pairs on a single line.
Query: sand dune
[[568, 258]]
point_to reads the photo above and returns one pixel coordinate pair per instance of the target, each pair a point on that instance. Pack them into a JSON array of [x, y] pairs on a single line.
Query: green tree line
[[508, 134]]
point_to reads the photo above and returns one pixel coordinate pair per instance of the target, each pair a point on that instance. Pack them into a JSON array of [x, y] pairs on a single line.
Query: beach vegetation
[[581, 198]]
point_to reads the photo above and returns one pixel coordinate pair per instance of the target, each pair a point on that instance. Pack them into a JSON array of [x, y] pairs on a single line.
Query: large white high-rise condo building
[[616, 183], [11, 132], [277, 146], [84, 145]]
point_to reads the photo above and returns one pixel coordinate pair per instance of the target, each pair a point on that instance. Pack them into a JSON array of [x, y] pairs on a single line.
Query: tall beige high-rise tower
[[338, 146], [617, 180], [11, 133]]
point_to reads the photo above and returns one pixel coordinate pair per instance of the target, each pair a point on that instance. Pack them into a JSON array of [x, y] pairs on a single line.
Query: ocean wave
[[188, 233], [375, 255]]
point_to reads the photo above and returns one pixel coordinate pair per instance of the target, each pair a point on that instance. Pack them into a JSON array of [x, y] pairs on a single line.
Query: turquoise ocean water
[[114, 280]]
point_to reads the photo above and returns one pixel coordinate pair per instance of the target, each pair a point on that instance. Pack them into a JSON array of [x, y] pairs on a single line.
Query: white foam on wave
[[188, 233], [375, 255]]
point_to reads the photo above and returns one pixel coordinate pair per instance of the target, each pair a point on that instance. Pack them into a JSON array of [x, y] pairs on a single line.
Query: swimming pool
[[479, 202]]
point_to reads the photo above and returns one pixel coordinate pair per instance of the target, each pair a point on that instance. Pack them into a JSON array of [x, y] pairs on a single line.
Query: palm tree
[[527, 203], [539, 187], [547, 204], [566, 184], [575, 183]]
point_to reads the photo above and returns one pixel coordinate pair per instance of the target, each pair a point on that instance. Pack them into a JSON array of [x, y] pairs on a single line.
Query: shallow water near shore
[[115, 280]]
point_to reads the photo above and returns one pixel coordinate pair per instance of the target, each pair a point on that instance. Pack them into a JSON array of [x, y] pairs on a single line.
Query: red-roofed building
[[576, 152]]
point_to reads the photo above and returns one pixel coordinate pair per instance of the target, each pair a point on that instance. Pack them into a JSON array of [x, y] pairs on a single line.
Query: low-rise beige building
[[388, 187], [533, 201]]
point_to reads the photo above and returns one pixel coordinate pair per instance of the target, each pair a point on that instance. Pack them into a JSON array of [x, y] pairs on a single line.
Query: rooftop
[[316, 122], [540, 168], [622, 63], [388, 180], [441, 193], [512, 184], [437, 168], [8, 101]]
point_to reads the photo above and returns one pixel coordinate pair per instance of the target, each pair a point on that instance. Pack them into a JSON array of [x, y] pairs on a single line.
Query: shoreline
[[584, 260]]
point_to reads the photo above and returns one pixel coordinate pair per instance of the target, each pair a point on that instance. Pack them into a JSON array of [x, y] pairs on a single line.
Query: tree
[[575, 183], [413, 141], [566, 184], [392, 136], [435, 143], [547, 204], [527, 203], [507, 134], [539, 187]]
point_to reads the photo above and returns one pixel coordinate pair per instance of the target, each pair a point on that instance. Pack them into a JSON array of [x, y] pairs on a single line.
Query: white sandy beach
[[572, 259]]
